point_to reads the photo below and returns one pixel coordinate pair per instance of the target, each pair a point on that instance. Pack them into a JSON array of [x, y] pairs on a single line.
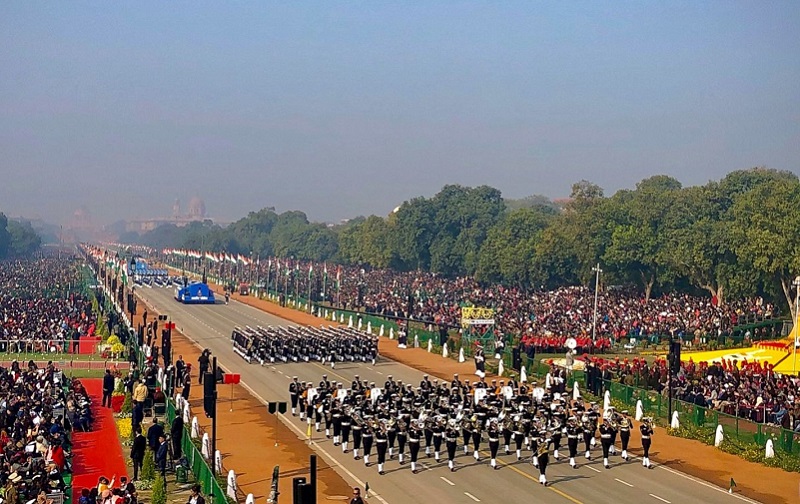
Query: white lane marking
[[472, 497], [660, 498], [317, 447], [701, 482], [593, 469], [623, 482], [377, 371], [447, 481]]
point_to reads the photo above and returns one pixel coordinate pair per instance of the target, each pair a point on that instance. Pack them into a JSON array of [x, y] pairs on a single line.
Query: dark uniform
[[647, 432]]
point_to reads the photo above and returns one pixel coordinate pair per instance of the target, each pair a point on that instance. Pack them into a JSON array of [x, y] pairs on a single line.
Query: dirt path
[[765, 484], [247, 434]]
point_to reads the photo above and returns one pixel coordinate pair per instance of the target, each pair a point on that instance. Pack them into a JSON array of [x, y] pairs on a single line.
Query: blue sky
[[348, 108]]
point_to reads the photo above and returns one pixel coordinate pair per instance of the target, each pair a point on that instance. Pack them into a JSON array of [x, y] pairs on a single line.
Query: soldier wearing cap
[[294, 394], [625, 433]]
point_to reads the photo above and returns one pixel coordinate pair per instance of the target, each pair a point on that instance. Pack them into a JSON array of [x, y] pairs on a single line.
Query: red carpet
[[97, 453]]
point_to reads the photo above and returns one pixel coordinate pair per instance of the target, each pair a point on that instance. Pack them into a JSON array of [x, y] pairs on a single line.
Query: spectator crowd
[[545, 318]]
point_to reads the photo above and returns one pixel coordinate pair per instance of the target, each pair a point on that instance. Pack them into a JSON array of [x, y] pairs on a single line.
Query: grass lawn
[[48, 356], [85, 373]]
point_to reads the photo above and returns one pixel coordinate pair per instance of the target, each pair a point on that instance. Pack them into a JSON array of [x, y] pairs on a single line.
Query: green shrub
[[127, 405], [159, 491], [148, 465]]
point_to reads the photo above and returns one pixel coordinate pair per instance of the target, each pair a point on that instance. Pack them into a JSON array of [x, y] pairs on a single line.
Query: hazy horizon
[[348, 109]]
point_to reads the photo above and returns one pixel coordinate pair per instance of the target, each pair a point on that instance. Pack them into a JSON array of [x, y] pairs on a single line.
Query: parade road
[[210, 327]]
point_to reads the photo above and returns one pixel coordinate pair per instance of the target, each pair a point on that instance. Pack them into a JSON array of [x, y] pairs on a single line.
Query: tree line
[[17, 238], [732, 238]]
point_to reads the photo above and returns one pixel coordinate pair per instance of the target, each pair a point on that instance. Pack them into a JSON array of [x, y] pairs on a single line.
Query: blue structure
[[195, 293]]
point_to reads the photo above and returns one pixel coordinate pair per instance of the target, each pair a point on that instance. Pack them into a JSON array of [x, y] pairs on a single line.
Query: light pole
[[796, 283], [597, 271]]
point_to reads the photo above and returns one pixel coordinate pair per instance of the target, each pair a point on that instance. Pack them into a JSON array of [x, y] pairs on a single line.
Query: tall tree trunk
[[790, 296], [648, 282]]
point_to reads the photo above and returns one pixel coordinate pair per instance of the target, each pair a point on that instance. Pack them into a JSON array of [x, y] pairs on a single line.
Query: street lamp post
[[796, 283], [597, 271]]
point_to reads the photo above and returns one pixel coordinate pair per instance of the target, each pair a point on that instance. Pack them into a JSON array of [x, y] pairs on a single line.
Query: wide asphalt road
[[210, 326]]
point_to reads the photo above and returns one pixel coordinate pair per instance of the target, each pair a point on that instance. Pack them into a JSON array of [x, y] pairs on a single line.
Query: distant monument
[[196, 212]]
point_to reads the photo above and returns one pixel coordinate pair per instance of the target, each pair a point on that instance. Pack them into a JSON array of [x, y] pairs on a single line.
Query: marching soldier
[[366, 441], [345, 423], [357, 430], [574, 431], [494, 442], [605, 440], [413, 444], [451, 440], [542, 456], [381, 442], [647, 433], [625, 433]]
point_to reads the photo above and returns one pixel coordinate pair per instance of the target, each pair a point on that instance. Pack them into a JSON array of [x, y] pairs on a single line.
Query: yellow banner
[[476, 315]]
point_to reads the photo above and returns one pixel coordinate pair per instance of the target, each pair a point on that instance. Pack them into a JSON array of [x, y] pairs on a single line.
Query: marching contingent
[[303, 344], [439, 416]]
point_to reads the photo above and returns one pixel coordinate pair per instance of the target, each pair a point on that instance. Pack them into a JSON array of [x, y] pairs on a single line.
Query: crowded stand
[[749, 390], [37, 313], [41, 311], [544, 319]]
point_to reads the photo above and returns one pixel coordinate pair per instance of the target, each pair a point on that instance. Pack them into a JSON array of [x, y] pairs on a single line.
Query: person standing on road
[[137, 452], [204, 361], [356, 497], [108, 388], [294, 394]]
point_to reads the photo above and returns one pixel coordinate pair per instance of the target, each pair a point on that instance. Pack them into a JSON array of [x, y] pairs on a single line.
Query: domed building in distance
[[195, 212]]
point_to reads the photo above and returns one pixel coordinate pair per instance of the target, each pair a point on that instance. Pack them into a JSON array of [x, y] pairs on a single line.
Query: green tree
[[766, 234], [5, 238], [24, 240], [508, 254], [638, 250]]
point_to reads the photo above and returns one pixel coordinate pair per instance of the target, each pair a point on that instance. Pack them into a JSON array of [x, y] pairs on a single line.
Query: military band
[[438, 414]]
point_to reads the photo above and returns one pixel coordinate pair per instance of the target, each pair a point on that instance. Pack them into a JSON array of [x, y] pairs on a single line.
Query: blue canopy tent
[[195, 293]]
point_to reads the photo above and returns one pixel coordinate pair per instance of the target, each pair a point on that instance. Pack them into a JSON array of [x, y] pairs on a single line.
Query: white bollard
[[445, 353], [250, 499], [187, 413], [350, 322], [430, 345], [676, 424], [461, 356], [770, 449], [380, 333], [391, 333], [341, 318], [718, 436], [606, 400], [359, 324], [369, 327], [206, 446], [416, 341], [218, 461], [231, 490], [523, 375], [639, 411], [195, 428], [500, 368], [576, 391]]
